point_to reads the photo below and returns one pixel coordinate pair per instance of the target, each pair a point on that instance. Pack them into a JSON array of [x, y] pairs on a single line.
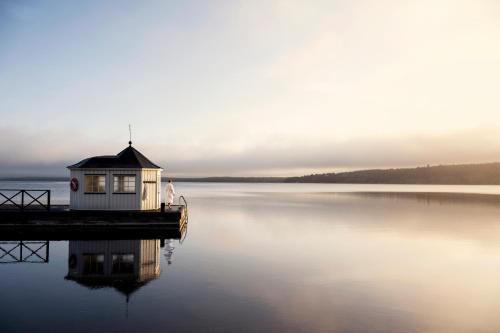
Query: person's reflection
[[125, 265], [169, 251]]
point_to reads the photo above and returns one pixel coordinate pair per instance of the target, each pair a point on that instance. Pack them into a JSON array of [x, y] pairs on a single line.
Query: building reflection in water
[[125, 265]]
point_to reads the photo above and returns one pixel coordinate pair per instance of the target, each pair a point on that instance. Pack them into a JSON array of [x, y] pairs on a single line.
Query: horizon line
[[40, 177]]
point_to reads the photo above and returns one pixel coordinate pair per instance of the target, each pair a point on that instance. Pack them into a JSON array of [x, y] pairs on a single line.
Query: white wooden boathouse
[[126, 181]]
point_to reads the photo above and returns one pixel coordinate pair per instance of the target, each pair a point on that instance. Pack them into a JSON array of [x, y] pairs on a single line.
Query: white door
[[150, 200]]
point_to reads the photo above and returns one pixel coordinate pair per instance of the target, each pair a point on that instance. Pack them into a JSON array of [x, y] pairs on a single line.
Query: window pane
[[93, 264], [88, 183], [130, 184], [123, 264], [124, 184], [95, 184]]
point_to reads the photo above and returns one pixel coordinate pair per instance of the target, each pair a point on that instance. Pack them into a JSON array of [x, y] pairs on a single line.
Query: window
[[123, 264], [93, 264], [95, 184], [124, 184]]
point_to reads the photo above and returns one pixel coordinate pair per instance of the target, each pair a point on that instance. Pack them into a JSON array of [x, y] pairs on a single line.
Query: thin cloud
[[49, 154]]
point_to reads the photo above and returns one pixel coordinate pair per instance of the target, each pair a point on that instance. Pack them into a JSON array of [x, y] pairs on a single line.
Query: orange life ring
[[72, 261], [73, 184]]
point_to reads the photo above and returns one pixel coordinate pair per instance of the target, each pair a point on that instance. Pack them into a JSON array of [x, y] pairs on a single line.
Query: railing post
[[48, 199], [47, 251], [22, 199]]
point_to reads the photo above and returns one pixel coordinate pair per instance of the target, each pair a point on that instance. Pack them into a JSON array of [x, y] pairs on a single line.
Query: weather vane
[[130, 135]]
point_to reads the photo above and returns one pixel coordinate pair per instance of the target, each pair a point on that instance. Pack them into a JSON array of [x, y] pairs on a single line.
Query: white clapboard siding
[[80, 200]]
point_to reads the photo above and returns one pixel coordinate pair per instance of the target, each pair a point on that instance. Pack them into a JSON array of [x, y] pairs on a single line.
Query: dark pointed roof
[[125, 285], [128, 158]]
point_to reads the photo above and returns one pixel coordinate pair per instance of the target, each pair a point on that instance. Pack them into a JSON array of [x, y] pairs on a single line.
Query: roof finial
[[130, 135]]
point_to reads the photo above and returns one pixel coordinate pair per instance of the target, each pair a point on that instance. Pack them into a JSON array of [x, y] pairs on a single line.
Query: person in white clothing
[[170, 193]]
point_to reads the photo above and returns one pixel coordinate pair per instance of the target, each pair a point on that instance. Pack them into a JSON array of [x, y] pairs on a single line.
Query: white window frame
[[127, 187], [95, 184]]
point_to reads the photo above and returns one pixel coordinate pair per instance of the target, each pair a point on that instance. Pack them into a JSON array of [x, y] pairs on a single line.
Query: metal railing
[[34, 252], [22, 199], [184, 202]]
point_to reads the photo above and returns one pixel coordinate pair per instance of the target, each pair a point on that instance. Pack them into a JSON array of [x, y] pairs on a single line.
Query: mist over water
[[284, 257]]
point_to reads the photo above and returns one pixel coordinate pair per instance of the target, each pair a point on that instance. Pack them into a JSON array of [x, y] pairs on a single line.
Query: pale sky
[[247, 88]]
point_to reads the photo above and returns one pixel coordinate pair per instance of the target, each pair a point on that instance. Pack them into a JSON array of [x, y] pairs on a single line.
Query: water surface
[[282, 257]]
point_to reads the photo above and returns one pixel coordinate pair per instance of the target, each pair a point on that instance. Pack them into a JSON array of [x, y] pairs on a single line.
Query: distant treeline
[[466, 174]]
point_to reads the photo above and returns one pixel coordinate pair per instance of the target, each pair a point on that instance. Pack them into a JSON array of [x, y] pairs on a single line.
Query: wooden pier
[[90, 232], [19, 219]]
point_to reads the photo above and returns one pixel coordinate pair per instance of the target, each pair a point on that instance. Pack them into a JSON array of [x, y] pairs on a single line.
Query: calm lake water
[[280, 258]]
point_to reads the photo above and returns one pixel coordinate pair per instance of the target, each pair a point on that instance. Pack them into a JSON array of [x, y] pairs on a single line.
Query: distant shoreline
[[461, 174], [164, 179]]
